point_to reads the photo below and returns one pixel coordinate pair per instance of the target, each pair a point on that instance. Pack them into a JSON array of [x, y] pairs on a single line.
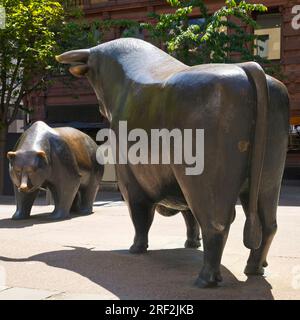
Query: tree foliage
[[35, 31], [213, 38], [27, 43]]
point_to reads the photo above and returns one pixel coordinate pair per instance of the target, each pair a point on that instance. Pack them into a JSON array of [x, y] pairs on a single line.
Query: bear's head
[[28, 169]]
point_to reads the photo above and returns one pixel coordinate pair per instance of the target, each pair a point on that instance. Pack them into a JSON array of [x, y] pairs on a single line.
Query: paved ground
[[87, 258]]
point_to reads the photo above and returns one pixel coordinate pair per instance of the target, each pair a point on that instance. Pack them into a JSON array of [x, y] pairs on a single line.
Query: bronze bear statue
[[62, 160]]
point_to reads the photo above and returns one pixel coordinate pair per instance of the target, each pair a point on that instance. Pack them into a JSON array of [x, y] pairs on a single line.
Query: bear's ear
[[11, 155], [42, 154]]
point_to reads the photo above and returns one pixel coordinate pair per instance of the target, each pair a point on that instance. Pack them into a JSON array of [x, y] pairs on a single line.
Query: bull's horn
[[75, 56]]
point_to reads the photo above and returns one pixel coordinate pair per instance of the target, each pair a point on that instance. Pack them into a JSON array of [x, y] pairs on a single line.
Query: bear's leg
[[88, 195], [24, 204], [63, 196], [75, 208]]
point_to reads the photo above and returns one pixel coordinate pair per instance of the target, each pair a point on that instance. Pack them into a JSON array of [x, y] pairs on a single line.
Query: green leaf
[[207, 42]]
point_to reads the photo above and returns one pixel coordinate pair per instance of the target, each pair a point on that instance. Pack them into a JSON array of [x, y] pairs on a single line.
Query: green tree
[[35, 31], [27, 43], [214, 38]]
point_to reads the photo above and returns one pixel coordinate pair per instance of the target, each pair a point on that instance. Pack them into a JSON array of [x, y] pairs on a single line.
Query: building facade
[[281, 26], [78, 105]]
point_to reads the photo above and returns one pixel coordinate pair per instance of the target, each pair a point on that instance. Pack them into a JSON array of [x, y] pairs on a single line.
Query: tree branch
[[3, 89], [17, 103], [22, 94], [12, 81]]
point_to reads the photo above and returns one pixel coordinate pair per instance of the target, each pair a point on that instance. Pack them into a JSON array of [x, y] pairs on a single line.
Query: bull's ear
[[80, 70], [11, 155]]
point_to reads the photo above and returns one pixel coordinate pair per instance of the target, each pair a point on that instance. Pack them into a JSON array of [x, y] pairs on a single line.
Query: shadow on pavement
[[35, 219], [159, 274]]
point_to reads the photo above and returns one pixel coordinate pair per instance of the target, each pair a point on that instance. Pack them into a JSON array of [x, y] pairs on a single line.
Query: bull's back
[[219, 99]]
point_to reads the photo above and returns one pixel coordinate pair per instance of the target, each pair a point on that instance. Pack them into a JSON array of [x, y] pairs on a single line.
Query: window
[[270, 30], [198, 21]]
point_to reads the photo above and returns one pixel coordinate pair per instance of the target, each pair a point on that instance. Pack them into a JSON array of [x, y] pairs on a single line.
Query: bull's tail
[[253, 229]]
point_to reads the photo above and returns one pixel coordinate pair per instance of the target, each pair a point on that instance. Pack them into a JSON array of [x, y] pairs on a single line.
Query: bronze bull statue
[[245, 116]]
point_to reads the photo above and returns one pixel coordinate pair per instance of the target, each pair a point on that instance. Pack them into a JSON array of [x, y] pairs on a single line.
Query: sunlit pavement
[[87, 257]]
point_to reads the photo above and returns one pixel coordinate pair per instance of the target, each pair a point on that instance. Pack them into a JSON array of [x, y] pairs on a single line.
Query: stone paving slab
[[87, 258], [25, 294], [79, 296]]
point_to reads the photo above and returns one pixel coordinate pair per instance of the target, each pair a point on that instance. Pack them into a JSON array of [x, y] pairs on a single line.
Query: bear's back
[[81, 145], [36, 137]]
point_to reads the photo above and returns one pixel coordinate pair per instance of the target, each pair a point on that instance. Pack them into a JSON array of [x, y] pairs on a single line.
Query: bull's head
[[84, 63]]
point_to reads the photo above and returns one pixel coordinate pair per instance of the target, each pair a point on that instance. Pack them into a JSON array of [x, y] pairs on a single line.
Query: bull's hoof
[[138, 249], [254, 270], [192, 244], [203, 284], [208, 281], [20, 216], [59, 215], [265, 264], [85, 211]]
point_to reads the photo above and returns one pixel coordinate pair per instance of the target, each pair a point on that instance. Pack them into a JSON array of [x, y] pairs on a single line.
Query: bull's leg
[[213, 208], [267, 206], [140, 207], [142, 217], [214, 228], [192, 226], [214, 240], [192, 230]]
